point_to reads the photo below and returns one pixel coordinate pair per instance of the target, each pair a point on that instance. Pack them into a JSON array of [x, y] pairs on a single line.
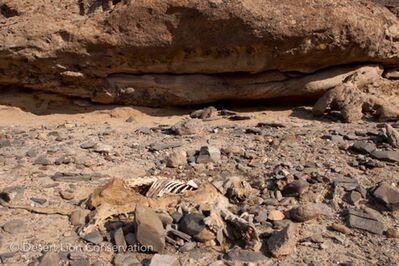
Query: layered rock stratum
[[184, 52]]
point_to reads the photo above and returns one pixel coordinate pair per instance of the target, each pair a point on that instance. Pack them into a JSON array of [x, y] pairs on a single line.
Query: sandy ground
[[31, 120]]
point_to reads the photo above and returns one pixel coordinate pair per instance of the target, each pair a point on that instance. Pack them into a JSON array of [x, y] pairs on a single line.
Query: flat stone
[[296, 188], [126, 260], [40, 201], [149, 229], [94, 237], [88, 145], [192, 224], [275, 215], [49, 259], [78, 217], [119, 239], [164, 260], [364, 221], [283, 242], [42, 160], [72, 177], [305, 213], [389, 156], [364, 147], [240, 117], [243, 255], [387, 194], [266, 124], [209, 154], [159, 146], [14, 227], [348, 184]]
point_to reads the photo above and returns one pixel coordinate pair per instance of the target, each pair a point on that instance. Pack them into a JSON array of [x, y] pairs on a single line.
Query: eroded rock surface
[[130, 51]]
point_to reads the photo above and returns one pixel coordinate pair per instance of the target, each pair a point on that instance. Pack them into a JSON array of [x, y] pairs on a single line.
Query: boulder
[[388, 195], [283, 242], [149, 229], [174, 52]]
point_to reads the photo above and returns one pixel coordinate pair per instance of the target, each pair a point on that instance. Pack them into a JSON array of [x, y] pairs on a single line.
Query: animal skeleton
[[122, 196], [119, 197]]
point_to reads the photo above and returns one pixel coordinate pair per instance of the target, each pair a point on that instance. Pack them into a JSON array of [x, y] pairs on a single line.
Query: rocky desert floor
[[322, 192]]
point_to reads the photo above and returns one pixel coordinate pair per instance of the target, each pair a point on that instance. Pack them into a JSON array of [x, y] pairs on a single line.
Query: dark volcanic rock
[[364, 147], [192, 224]]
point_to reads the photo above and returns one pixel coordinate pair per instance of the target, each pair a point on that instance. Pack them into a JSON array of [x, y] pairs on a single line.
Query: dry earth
[[42, 135]]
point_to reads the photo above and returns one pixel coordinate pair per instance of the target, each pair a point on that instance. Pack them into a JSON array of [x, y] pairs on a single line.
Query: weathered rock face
[[130, 51]]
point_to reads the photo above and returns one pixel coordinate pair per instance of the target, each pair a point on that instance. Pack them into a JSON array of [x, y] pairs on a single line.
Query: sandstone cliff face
[[78, 47]]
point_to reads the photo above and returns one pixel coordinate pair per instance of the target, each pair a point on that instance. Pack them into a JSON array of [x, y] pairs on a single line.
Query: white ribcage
[[166, 186]]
